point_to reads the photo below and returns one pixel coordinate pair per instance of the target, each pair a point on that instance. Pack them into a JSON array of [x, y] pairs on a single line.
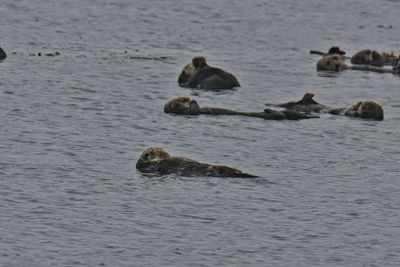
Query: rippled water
[[73, 126]]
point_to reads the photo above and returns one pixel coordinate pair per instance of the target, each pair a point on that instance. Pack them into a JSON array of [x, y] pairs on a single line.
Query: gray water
[[74, 125]]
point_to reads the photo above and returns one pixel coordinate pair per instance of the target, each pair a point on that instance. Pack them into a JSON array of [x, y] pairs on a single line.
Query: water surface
[[74, 125]]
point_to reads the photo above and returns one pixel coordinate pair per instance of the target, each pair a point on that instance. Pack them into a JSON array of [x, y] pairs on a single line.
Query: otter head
[[332, 63], [154, 153], [366, 110], [182, 105], [363, 57], [191, 69], [370, 110], [308, 99]]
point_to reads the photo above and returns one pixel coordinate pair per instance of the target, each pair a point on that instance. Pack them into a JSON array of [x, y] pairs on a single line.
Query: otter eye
[[328, 63]]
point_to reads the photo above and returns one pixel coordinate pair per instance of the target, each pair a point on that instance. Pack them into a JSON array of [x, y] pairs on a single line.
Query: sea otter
[[3, 54], [368, 57], [198, 74], [336, 63], [331, 63], [157, 160], [363, 109], [183, 105]]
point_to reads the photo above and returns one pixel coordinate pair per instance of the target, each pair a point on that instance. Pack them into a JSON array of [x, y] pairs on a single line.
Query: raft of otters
[[364, 60], [157, 160], [183, 105]]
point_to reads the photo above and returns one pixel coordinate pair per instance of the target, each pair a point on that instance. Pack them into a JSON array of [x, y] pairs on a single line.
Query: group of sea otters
[[198, 74]]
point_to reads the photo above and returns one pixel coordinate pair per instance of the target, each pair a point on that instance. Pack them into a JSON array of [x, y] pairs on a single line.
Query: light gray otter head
[[190, 70], [182, 105], [367, 110], [331, 63], [153, 154]]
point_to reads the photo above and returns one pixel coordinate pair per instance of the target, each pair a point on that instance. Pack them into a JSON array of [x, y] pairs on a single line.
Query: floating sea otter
[[362, 109], [373, 58], [3, 54], [198, 74], [368, 109], [336, 63], [157, 160], [183, 105]]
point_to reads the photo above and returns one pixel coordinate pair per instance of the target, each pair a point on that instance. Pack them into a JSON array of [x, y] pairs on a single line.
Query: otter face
[[182, 105], [332, 63], [190, 70], [154, 153]]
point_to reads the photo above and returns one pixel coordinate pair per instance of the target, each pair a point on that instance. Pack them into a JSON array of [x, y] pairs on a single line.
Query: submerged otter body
[[157, 160], [198, 74], [183, 105], [363, 109]]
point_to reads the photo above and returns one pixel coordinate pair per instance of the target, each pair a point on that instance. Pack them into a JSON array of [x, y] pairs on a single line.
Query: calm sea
[[74, 125]]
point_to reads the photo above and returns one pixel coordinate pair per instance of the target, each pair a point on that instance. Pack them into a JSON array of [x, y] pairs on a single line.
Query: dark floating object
[[39, 54], [3, 54], [157, 160], [334, 50], [183, 105], [160, 58]]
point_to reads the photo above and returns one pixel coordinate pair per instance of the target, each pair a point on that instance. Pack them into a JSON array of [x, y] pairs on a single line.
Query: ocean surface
[[73, 126]]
